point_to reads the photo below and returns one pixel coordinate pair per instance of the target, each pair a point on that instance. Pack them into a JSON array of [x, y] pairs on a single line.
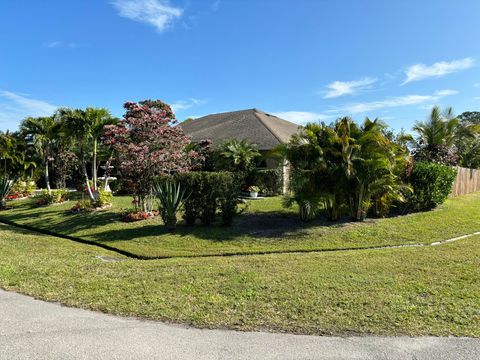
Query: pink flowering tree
[[149, 145]]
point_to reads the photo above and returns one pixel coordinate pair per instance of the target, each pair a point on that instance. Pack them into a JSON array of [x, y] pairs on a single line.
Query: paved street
[[32, 329]]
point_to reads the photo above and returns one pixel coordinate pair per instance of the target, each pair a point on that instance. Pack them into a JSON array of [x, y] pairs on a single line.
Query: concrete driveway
[[32, 329]]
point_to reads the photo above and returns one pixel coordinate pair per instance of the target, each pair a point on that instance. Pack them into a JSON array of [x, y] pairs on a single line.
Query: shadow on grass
[[106, 227], [271, 225]]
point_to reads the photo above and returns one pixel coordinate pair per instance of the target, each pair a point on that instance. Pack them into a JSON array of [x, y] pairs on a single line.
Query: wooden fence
[[467, 181]]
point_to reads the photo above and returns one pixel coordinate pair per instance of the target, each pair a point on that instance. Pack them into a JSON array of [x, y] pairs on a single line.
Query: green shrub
[[228, 189], [270, 181], [207, 192], [103, 198], [170, 195], [201, 200], [52, 197], [23, 187], [431, 184], [5, 188]]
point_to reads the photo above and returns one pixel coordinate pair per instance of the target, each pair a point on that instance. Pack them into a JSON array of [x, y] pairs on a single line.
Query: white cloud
[[301, 117], [158, 13], [476, 84], [421, 71], [15, 107], [398, 101], [186, 104], [60, 44], [339, 88]]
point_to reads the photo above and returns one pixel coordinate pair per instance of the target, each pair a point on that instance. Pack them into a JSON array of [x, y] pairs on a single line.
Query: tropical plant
[[236, 156], [104, 198], [343, 163], [78, 128], [171, 196], [438, 135], [372, 174], [5, 186], [45, 132], [468, 147], [98, 118]]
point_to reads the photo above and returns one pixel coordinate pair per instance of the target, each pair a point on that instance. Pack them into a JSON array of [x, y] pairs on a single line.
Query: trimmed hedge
[[208, 192], [431, 183], [270, 181]]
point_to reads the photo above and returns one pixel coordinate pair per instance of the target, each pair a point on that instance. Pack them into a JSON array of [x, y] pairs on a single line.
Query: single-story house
[[261, 129]]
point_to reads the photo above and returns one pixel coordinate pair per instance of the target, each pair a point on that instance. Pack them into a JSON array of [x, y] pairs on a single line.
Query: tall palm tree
[[45, 131], [443, 128], [97, 118], [7, 149], [76, 125], [373, 160]]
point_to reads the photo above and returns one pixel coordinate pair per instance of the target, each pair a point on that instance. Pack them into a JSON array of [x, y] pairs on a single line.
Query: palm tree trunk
[[47, 177], [359, 210], [85, 175], [94, 165]]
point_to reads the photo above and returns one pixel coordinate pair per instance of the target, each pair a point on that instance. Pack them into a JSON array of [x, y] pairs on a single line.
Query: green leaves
[[5, 186], [341, 164], [234, 155], [171, 196]]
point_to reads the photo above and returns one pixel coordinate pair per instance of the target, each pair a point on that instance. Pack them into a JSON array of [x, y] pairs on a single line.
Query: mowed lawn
[[432, 290], [264, 227]]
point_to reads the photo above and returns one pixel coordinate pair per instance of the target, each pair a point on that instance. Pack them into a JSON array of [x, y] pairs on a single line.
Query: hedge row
[[209, 193]]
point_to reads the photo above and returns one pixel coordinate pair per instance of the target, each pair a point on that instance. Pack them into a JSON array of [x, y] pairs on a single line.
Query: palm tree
[[439, 129], [45, 131], [97, 119], [76, 125], [7, 149], [234, 155], [441, 137]]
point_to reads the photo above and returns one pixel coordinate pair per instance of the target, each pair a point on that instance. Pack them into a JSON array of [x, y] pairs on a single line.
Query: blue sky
[[304, 60]]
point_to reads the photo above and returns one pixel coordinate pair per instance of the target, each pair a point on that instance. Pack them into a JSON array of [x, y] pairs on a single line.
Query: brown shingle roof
[[264, 130]]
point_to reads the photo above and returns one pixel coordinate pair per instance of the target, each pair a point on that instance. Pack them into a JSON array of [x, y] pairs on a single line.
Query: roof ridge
[[256, 112]]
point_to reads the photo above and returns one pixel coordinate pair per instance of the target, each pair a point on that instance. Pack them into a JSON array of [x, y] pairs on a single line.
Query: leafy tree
[[149, 145]]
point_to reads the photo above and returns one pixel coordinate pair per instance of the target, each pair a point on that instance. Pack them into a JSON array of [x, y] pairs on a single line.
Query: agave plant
[[5, 186], [171, 198]]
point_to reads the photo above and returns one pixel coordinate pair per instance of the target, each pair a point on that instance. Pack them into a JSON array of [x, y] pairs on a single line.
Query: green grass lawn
[[264, 227], [410, 291]]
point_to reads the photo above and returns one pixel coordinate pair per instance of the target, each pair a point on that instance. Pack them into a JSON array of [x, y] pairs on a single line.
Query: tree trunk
[[359, 205], [94, 165], [85, 175], [47, 177]]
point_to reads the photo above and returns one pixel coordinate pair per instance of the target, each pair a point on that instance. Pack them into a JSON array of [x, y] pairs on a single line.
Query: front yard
[[413, 291], [265, 227]]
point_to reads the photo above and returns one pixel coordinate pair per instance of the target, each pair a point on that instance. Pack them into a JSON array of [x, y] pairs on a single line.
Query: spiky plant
[[5, 186], [171, 197]]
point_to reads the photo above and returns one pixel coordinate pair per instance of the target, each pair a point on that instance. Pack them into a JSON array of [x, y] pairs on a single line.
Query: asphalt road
[[32, 329]]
